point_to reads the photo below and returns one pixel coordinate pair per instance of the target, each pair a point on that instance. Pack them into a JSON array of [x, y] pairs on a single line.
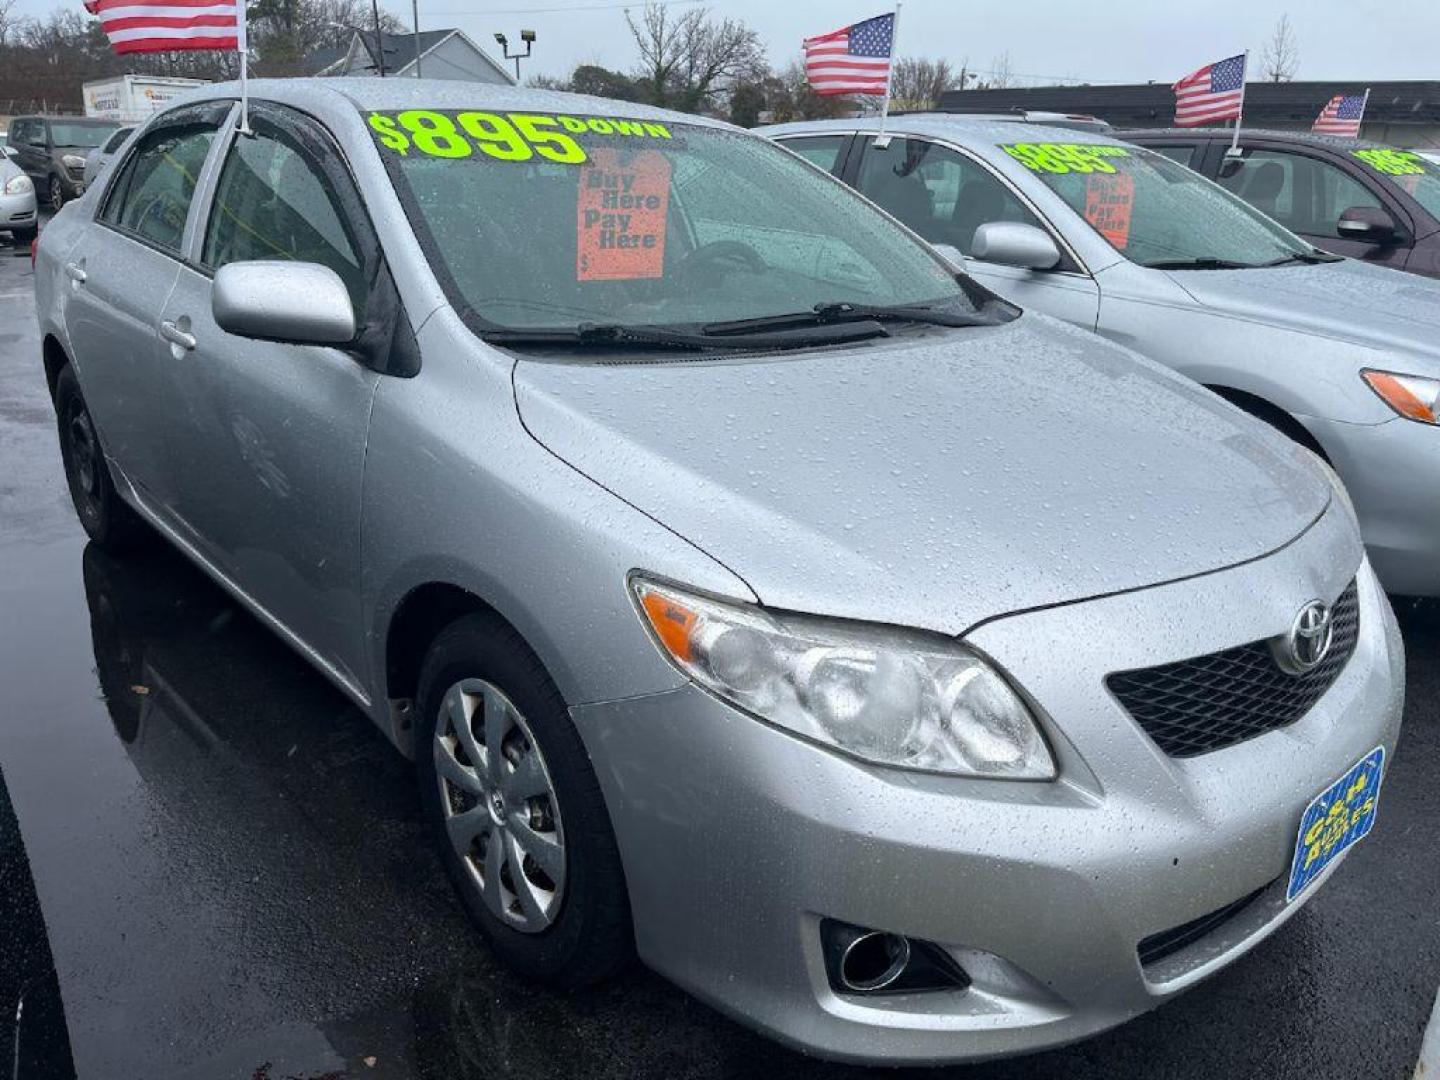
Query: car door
[[945, 195], [275, 433], [1307, 193], [120, 272]]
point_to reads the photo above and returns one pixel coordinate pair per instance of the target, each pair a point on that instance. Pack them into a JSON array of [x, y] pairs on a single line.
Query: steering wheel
[[720, 256]]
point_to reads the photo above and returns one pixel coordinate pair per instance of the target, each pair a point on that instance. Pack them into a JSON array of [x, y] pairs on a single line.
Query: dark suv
[[1349, 196], [52, 149]]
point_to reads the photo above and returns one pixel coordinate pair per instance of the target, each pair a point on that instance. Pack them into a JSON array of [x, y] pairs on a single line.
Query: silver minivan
[[912, 677]]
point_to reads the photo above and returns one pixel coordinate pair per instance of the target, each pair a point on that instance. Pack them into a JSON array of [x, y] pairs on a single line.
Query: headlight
[[1412, 396], [879, 694], [19, 185], [74, 161]]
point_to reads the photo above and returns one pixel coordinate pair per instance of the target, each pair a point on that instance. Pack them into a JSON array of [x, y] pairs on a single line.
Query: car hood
[[1349, 300], [932, 481]]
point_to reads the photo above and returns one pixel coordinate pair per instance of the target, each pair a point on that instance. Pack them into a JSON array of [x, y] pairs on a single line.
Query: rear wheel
[[516, 808], [105, 517]]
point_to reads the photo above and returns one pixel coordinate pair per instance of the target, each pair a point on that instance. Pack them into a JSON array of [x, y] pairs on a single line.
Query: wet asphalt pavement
[[212, 866]]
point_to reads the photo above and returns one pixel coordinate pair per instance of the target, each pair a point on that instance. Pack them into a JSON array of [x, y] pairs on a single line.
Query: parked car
[[751, 589], [51, 150], [17, 203], [5, 147], [1341, 356], [1348, 196], [97, 159]]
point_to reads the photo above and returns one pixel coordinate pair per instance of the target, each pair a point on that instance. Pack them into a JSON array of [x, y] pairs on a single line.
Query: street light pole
[[528, 37]]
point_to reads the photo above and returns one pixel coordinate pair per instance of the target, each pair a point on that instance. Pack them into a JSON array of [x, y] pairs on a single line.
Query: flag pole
[[1364, 105], [243, 46], [1234, 150], [881, 139]]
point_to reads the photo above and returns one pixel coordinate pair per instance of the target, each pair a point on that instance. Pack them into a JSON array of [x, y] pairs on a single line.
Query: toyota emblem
[[1309, 638]]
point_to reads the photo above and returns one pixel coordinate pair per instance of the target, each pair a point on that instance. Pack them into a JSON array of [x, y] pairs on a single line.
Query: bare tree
[[917, 82], [1281, 57], [9, 24], [1002, 75], [688, 59]]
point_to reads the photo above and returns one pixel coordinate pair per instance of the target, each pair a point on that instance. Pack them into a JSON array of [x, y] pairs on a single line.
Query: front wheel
[[516, 809], [56, 194]]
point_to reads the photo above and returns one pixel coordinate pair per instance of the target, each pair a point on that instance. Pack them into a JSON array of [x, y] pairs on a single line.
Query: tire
[[104, 516], [55, 193], [566, 931]]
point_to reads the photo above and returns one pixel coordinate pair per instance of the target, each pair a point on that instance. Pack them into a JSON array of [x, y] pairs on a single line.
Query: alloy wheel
[[57, 194], [501, 813]]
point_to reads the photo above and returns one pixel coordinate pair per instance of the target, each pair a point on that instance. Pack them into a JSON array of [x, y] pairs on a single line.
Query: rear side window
[[151, 197], [821, 150], [274, 202]]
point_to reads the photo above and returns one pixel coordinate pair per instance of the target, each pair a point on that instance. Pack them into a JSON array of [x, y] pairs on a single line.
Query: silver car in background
[[911, 678], [1341, 356], [97, 159], [17, 203]]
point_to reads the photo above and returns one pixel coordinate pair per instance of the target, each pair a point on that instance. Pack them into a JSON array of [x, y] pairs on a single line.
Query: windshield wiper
[[1204, 263], [1316, 256], [660, 337], [842, 312]]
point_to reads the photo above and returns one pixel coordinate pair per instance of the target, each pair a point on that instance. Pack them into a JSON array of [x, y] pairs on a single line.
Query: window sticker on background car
[[1065, 157], [1392, 162], [1109, 202], [508, 137], [620, 215]]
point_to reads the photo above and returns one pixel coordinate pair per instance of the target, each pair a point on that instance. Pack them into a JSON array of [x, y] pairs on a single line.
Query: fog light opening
[[865, 961], [873, 961]]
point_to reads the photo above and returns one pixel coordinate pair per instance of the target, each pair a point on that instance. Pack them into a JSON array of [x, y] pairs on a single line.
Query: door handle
[[172, 333], [75, 272]]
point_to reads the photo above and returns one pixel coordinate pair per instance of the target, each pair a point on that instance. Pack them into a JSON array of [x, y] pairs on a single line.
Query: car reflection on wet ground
[[212, 866]]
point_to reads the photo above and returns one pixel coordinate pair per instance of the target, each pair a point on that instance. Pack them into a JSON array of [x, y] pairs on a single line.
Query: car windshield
[[1154, 211], [1414, 173], [566, 222], [79, 135]]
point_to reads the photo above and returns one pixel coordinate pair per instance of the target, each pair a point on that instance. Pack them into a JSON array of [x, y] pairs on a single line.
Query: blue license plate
[[1339, 816]]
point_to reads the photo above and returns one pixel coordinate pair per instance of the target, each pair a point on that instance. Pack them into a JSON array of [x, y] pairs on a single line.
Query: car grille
[[1157, 947], [1193, 706]]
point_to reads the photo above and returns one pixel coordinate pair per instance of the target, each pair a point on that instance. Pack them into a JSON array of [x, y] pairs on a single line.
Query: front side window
[[1183, 155], [1303, 193], [942, 195], [274, 202], [556, 222], [1154, 211], [115, 140], [152, 196]]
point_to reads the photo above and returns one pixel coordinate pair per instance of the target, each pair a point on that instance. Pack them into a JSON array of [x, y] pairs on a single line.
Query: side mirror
[[295, 302], [1011, 243], [1369, 223], [952, 256]]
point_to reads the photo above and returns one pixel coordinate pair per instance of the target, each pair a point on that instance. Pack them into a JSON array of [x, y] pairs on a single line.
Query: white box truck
[[133, 98]]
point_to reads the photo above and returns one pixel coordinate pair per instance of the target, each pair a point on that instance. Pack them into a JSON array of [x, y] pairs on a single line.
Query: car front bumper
[[1389, 470], [17, 211], [738, 839]]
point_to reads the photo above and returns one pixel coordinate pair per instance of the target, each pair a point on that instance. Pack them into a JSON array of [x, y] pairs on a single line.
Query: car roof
[[1306, 138], [446, 94], [957, 126], [92, 120]]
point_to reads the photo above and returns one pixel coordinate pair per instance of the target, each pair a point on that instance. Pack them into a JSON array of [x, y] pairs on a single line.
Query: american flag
[[853, 60], [1213, 93], [1342, 116], [140, 26]]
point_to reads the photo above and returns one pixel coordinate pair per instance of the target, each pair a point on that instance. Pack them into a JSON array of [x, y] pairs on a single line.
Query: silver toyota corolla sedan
[[910, 677], [1341, 356]]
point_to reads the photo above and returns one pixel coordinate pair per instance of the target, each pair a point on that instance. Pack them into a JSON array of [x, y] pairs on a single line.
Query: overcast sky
[[1099, 41]]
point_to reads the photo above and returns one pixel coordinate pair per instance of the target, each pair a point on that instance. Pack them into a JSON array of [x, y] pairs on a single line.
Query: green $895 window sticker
[[1065, 157], [1391, 162], [504, 137]]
